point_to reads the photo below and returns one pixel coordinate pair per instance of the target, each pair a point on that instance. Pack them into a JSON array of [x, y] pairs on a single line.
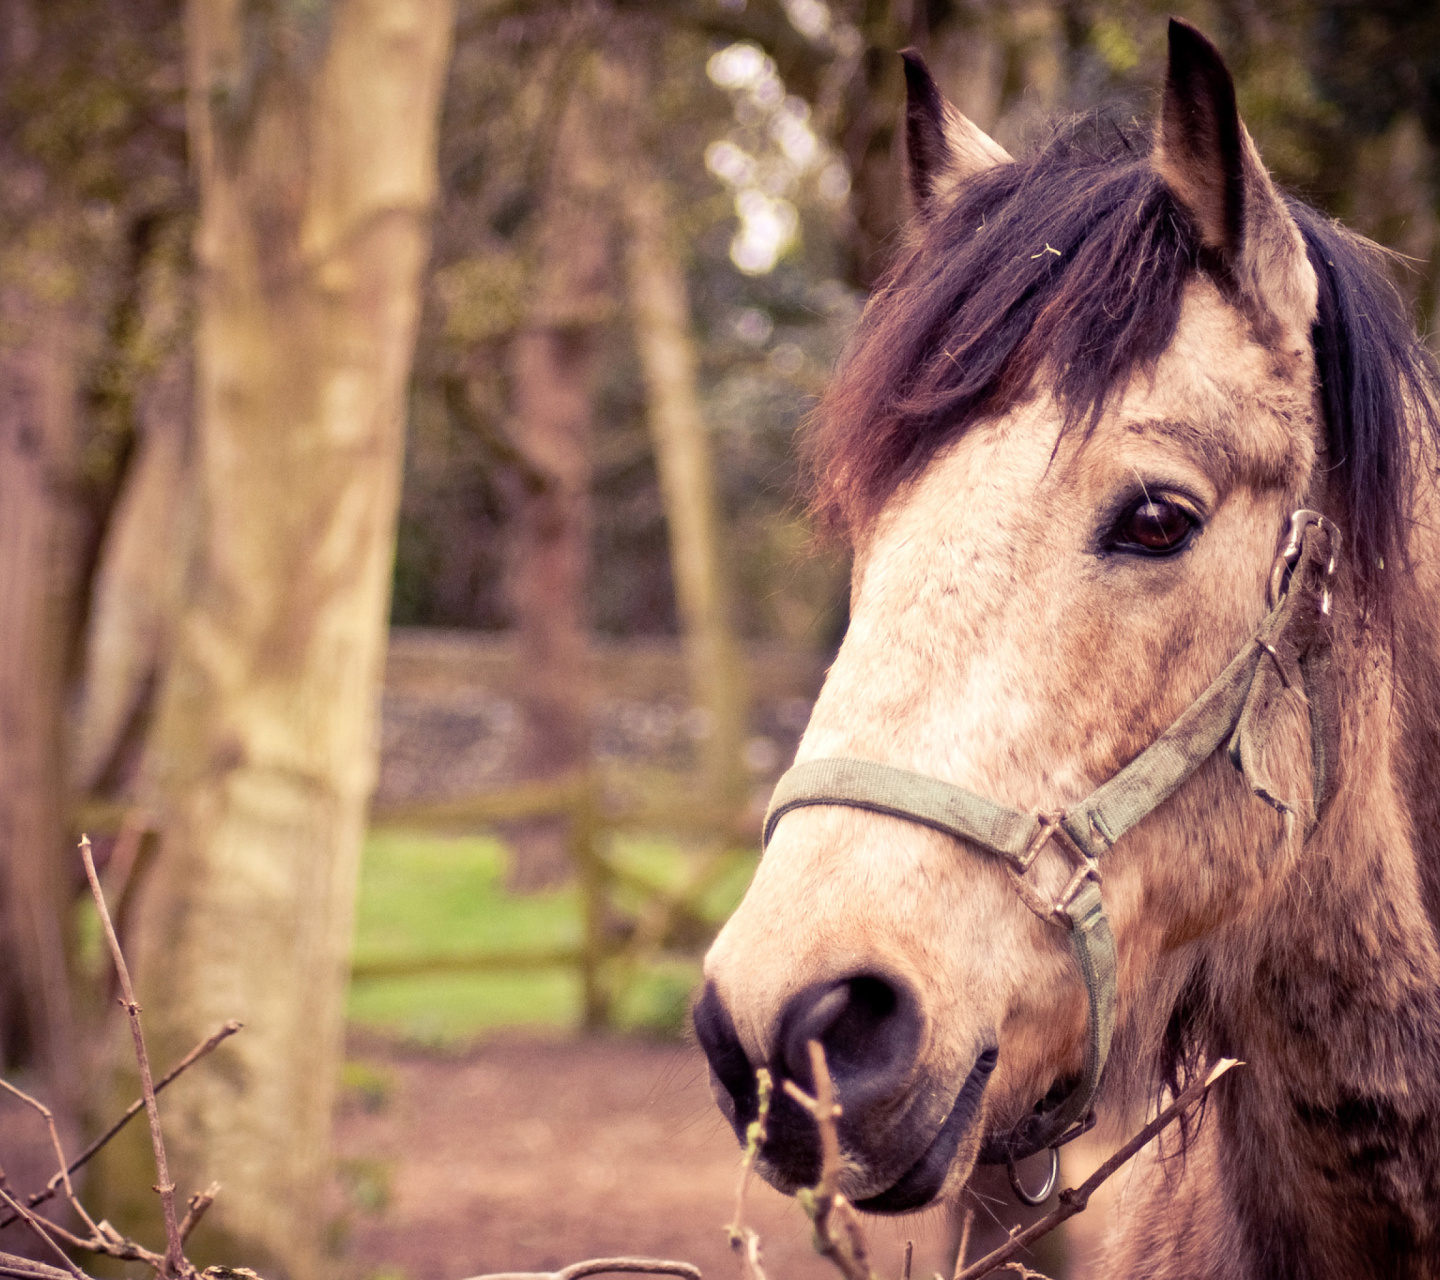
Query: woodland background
[[484, 327]]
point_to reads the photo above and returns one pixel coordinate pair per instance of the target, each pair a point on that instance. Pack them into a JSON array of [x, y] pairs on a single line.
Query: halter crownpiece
[[1290, 649]]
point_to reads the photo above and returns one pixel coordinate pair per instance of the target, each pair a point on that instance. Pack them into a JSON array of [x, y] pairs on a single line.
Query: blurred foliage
[[766, 341], [1344, 101], [95, 203], [1343, 98]]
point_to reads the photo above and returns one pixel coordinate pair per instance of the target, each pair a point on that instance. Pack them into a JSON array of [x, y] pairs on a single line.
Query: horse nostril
[[869, 1027], [729, 1064]]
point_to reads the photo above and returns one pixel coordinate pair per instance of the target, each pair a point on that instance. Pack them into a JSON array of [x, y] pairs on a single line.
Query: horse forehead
[[1242, 408]]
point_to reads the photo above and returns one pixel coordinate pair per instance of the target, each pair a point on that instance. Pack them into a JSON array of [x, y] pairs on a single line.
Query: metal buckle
[[1289, 554], [1076, 1130], [1052, 828], [1046, 1190]]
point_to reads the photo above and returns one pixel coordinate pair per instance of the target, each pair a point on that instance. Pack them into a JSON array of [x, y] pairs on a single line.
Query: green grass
[[435, 896]]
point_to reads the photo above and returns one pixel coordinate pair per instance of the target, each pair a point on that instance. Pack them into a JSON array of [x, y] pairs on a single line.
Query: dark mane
[[1378, 388], [1079, 256]]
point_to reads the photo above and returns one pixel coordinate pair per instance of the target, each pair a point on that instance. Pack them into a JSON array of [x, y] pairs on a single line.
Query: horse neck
[[1332, 999]]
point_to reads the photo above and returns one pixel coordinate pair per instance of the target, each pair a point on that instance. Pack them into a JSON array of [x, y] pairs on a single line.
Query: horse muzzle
[[897, 1152]]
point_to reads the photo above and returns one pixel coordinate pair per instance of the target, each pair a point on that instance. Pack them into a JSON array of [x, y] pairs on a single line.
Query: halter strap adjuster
[[1052, 830]]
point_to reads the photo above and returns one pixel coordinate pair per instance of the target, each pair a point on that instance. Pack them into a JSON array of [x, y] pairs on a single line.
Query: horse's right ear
[[1208, 160], [945, 149]]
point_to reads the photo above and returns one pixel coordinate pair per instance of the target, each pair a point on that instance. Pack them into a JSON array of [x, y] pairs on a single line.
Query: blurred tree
[[552, 363], [313, 131], [91, 175], [659, 306]]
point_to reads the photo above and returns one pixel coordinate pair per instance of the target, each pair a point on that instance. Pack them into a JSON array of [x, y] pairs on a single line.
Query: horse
[[1128, 758]]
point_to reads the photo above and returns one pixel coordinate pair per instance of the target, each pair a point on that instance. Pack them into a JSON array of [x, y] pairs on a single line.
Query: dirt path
[[526, 1155]]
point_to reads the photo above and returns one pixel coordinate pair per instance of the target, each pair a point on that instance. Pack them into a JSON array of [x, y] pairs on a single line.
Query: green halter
[[1289, 650]]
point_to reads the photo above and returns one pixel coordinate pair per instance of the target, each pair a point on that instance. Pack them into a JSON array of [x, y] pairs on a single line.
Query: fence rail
[[597, 808]]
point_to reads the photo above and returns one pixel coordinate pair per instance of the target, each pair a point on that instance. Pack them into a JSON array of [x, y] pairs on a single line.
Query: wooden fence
[[599, 804]]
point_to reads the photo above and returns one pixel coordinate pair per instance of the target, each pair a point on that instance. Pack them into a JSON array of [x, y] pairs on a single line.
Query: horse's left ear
[[1209, 161], [945, 149]]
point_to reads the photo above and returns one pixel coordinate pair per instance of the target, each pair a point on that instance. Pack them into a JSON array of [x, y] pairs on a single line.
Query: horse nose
[[729, 1065], [870, 1028]]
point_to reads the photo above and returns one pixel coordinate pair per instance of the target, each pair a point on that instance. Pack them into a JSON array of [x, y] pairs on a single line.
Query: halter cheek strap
[[1289, 650]]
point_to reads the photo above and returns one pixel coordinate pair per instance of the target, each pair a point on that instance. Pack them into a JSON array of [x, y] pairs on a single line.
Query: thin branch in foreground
[[963, 1247], [175, 1263], [134, 1109], [64, 1173], [1074, 1200], [106, 1241], [33, 1223], [199, 1202], [14, 1267], [838, 1235], [603, 1266], [746, 1240]]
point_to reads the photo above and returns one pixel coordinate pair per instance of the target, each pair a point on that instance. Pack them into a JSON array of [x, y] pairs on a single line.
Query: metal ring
[[1045, 1192]]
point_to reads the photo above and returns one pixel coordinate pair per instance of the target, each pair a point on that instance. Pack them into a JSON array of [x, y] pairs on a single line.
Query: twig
[[838, 1236], [14, 1267], [963, 1247], [33, 1223], [106, 1241], [199, 1202], [175, 1263], [1073, 1200], [603, 1266], [745, 1240], [64, 1173], [90, 1152]]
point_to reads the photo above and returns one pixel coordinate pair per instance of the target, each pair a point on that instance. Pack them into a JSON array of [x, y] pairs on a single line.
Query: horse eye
[[1154, 526]]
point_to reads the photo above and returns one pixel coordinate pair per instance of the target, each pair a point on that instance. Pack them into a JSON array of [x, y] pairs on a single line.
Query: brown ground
[[528, 1155]]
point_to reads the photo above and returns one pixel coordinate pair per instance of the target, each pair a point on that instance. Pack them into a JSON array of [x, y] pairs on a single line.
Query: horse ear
[[945, 149], [1208, 160]]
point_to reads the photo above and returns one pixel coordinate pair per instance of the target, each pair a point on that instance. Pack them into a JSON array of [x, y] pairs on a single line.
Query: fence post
[[586, 831]]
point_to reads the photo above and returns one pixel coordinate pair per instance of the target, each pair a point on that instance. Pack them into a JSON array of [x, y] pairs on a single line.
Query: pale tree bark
[[313, 135], [665, 340], [552, 366]]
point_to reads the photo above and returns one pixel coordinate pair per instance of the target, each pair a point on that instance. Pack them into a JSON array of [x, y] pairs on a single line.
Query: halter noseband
[[1290, 649]]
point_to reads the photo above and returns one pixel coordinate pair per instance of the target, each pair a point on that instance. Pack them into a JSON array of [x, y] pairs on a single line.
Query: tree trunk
[[39, 564], [313, 135], [664, 337], [552, 376], [136, 587]]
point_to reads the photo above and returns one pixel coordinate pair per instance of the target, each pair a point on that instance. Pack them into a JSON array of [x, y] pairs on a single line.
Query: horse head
[[1065, 444]]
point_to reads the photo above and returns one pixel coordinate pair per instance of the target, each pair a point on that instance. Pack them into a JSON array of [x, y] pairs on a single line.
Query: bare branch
[[601, 1266], [745, 1240], [64, 1174], [106, 1241], [175, 1262], [963, 1247], [14, 1267], [134, 1109], [199, 1202], [1072, 1201], [34, 1224], [838, 1236]]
